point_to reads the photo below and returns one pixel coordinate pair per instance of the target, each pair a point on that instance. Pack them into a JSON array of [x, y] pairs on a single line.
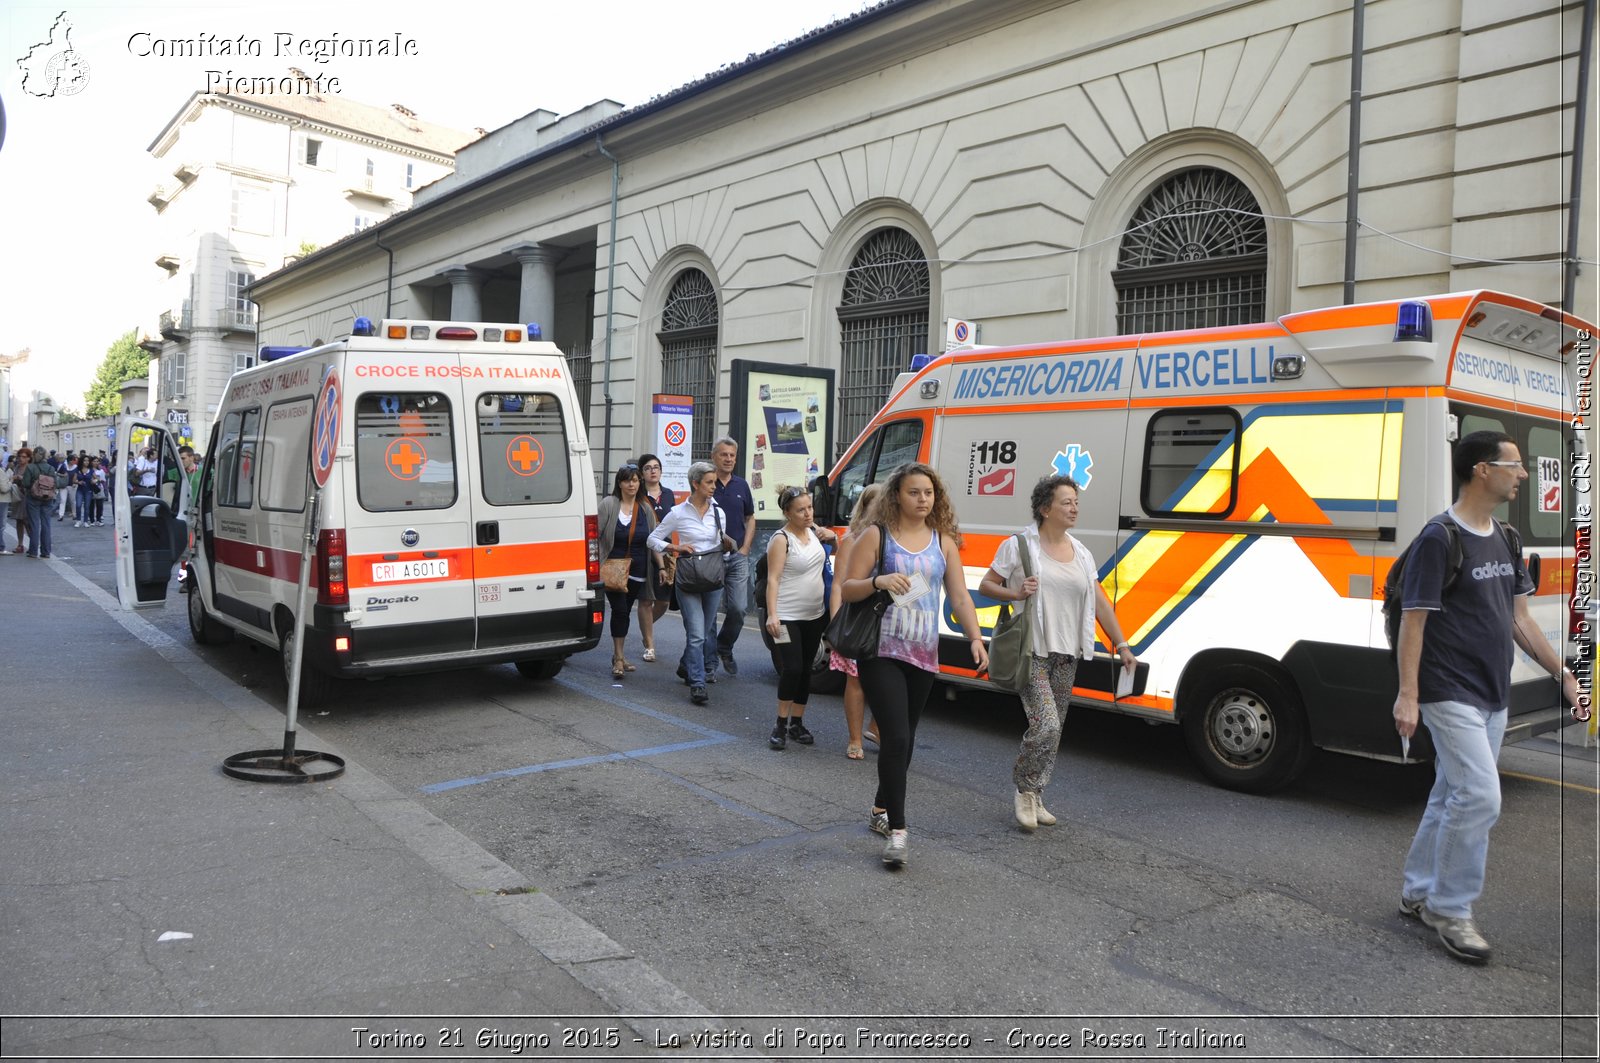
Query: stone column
[[538, 301], [466, 297]]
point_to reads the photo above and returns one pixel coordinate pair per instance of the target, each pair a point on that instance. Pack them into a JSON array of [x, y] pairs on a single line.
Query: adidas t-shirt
[[1467, 650]]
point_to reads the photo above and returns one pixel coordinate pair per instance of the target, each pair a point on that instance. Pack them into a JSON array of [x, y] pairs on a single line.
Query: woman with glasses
[[625, 526], [795, 610], [660, 499], [700, 527]]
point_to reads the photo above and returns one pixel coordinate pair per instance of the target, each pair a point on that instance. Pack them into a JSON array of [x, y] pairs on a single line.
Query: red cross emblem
[[525, 456], [406, 457]]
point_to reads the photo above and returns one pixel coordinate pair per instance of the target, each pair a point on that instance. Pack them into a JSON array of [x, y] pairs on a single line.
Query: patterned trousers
[[1045, 700]]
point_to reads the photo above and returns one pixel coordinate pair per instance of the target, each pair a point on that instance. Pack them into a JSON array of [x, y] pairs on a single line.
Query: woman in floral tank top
[[920, 555]]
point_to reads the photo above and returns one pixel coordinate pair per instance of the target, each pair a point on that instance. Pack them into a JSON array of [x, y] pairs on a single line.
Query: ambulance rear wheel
[[546, 669], [315, 686], [205, 630], [1247, 730]]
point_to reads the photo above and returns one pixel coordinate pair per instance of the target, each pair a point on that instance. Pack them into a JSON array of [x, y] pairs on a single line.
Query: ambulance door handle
[[488, 533]]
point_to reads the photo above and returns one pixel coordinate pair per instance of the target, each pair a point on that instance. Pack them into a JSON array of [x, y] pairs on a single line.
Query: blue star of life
[[1074, 462]]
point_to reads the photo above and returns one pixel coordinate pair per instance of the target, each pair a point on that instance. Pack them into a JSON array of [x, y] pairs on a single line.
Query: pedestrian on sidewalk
[[39, 488], [699, 524], [100, 489], [795, 610], [83, 487], [661, 500], [1064, 600], [739, 509], [915, 525], [855, 702], [19, 501], [625, 526], [1455, 653], [5, 497]]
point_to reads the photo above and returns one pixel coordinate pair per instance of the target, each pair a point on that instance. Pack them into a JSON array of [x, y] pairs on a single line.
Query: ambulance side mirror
[[1534, 565], [822, 502]]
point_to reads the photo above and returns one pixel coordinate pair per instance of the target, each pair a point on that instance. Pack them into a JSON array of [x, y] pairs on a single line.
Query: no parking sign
[[325, 428]]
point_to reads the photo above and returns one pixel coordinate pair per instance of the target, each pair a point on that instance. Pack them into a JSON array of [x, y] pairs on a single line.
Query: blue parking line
[[575, 762]]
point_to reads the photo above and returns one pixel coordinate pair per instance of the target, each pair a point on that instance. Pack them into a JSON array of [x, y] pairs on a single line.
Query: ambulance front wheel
[[545, 669], [1247, 729], [205, 630]]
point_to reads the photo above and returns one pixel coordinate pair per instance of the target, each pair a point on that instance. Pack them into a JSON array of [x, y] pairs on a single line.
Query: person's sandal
[[617, 666], [854, 752], [650, 655]]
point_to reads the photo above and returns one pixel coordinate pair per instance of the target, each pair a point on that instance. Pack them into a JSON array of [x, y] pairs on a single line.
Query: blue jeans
[[1445, 867], [85, 500], [735, 601], [39, 526], [699, 638]]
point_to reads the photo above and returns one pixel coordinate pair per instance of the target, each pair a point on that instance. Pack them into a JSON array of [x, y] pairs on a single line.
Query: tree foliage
[[125, 360]]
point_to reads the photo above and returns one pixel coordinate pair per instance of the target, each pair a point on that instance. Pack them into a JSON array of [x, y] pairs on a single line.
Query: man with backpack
[[39, 491], [1455, 652]]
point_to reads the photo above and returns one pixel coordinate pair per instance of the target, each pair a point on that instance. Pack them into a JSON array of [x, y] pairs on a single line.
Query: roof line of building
[[754, 62]]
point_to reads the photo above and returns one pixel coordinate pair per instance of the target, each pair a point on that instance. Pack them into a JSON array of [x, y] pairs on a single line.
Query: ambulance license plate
[[392, 571]]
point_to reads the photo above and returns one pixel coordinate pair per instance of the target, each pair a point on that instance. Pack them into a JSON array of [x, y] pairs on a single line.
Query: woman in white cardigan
[[1065, 600], [700, 526]]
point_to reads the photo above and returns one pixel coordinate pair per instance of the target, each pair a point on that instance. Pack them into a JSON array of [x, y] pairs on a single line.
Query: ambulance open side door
[[150, 509]]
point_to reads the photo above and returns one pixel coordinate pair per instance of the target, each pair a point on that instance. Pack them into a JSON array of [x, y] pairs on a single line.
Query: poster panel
[[783, 419]]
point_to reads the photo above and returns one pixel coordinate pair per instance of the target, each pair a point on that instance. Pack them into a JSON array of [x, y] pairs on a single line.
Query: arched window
[[883, 321], [1194, 255], [689, 352]]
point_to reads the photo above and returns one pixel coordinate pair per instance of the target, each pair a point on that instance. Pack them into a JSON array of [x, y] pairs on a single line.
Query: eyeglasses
[[651, 467], [1506, 464]]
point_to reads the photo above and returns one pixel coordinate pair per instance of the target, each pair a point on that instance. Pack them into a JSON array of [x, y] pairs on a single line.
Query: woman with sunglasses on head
[[660, 499], [795, 610], [701, 528], [921, 555], [625, 526]]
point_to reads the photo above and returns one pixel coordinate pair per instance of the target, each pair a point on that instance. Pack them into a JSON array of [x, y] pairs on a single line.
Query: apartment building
[[254, 183]]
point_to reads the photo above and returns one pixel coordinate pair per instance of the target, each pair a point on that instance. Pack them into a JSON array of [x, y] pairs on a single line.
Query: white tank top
[[800, 589]]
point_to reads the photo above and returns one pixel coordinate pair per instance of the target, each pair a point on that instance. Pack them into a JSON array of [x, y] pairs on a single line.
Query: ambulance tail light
[[591, 535], [333, 587], [1415, 322]]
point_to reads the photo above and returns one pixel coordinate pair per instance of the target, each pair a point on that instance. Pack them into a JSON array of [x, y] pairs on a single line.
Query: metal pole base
[[274, 766]]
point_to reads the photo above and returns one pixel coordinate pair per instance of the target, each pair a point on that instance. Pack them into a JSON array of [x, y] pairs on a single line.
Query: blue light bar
[[920, 360], [272, 354], [1414, 322], [534, 331], [364, 327]]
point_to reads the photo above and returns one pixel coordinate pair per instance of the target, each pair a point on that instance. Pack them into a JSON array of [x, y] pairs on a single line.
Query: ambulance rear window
[[522, 448], [405, 454], [1191, 462]]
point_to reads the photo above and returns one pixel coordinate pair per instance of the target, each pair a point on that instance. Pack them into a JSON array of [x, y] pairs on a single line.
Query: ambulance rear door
[[531, 489], [408, 507]]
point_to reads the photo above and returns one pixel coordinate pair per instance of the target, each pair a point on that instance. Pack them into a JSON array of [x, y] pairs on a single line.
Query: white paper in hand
[[919, 587], [782, 637], [1124, 682]]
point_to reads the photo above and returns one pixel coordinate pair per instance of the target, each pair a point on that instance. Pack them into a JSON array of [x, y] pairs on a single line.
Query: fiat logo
[[409, 537]]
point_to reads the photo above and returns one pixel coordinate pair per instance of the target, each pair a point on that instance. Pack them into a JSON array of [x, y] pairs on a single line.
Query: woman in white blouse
[[1065, 598], [700, 526]]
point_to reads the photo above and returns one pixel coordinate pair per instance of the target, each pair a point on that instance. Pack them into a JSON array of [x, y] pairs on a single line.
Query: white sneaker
[[895, 851], [1045, 817]]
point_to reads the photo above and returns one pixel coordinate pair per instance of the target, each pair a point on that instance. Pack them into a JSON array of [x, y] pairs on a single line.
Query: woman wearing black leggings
[[796, 609]]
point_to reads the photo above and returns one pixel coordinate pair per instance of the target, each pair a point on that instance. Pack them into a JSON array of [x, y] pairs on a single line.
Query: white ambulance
[[1245, 491], [458, 522]]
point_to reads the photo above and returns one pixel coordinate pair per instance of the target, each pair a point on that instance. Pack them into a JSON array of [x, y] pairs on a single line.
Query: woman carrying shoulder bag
[[701, 530], [796, 611], [1064, 599], [625, 524]]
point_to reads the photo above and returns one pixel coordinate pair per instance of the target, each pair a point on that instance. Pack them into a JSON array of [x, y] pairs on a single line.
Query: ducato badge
[[409, 537]]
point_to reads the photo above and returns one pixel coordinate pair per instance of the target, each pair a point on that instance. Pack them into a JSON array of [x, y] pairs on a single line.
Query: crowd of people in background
[[41, 486]]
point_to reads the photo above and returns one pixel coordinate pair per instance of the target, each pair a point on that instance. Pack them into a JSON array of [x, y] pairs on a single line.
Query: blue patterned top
[[910, 632]]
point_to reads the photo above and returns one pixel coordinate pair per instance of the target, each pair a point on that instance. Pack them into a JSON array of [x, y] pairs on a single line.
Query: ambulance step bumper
[[1523, 726]]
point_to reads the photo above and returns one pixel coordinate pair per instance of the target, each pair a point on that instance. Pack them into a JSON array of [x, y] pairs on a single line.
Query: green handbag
[[1011, 645]]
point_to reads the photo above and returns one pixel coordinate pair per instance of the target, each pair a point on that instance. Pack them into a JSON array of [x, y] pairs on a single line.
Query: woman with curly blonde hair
[[916, 528]]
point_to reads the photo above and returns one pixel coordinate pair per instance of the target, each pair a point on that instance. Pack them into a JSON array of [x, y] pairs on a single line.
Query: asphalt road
[[747, 878]]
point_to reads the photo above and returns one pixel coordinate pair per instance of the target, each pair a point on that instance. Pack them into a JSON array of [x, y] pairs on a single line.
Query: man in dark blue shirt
[[1455, 654], [739, 506]]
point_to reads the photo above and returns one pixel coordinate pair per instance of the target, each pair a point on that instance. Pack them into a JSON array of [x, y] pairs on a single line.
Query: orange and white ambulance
[[1245, 490], [458, 522]]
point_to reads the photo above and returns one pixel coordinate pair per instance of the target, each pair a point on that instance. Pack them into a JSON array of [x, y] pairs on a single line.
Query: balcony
[[368, 188], [159, 198], [175, 322], [236, 320]]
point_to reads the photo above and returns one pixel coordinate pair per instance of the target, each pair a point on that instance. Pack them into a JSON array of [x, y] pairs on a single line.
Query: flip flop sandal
[[650, 656], [626, 667], [854, 752]]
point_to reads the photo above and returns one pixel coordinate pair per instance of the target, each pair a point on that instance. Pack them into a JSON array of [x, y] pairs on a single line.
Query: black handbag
[[703, 572], [853, 631]]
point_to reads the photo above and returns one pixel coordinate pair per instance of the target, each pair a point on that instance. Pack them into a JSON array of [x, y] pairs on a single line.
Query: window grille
[[1194, 256], [883, 321], [689, 351], [581, 365]]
